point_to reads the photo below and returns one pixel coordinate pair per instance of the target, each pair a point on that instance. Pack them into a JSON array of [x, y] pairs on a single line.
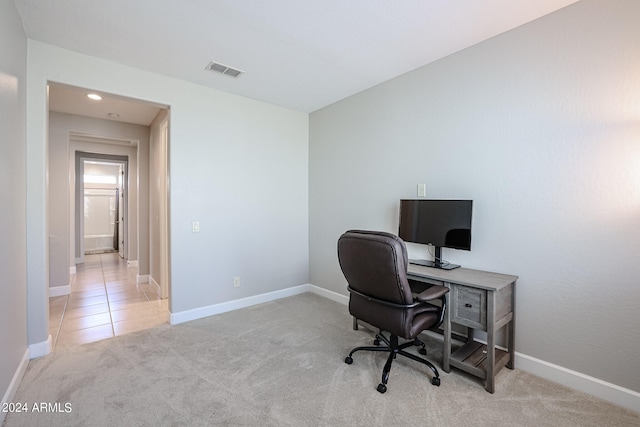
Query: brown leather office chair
[[375, 266]]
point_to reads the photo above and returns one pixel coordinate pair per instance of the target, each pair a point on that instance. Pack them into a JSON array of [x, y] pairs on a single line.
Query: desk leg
[[471, 334], [491, 343], [355, 323], [511, 345], [447, 335]]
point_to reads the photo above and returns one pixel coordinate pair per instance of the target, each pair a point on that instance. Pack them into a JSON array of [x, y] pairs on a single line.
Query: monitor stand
[[435, 264]]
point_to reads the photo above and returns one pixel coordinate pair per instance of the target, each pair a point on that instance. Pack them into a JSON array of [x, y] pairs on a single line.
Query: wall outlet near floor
[[236, 282]]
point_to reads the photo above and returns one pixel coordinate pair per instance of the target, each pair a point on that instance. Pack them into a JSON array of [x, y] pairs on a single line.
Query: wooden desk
[[478, 300]]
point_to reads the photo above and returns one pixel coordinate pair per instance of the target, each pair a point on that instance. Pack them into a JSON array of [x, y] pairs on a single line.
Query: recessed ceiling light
[[94, 96]]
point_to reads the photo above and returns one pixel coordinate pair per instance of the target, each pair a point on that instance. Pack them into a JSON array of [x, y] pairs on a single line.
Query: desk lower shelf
[[472, 358], [479, 300]]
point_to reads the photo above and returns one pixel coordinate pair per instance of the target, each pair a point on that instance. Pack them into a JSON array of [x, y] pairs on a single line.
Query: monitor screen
[[441, 223]]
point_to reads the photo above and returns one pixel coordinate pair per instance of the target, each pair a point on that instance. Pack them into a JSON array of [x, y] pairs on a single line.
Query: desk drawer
[[469, 306]]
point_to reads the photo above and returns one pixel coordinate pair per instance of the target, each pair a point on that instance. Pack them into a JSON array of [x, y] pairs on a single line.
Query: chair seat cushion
[[422, 321]]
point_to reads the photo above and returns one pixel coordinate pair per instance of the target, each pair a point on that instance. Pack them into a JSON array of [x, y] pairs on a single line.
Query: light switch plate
[[195, 226], [422, 190]]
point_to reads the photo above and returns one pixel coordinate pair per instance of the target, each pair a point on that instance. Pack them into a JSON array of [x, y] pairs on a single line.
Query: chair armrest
[[434, 292], [383, 302]]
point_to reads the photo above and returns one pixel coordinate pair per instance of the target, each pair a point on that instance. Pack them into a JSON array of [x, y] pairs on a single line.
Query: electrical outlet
[[195, 227], [422, 190], [236, 282]]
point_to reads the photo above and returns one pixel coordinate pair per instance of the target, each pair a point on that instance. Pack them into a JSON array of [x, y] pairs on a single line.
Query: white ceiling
[[300, 54]]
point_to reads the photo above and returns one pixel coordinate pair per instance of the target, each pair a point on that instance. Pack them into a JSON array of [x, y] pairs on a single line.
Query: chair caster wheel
[[435, 381], [423, 351], [382, 388], [348, 360], [376, 342]]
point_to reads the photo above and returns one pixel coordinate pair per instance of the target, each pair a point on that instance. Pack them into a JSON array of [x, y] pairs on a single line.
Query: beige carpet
[[282, 364]]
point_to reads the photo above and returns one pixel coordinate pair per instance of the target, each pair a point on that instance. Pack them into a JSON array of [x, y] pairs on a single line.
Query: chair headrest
[[375, 263]]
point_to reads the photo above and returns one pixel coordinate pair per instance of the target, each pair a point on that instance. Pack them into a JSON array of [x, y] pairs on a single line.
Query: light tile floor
[[105, 301]]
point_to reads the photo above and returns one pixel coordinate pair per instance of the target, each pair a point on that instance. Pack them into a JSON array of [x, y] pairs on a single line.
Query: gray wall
[[13, 268], [238, 166], [61, 201], [540, 127]]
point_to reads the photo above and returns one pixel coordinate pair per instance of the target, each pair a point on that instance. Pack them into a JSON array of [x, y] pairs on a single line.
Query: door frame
[[121, 213], [165, 264], [80, 157]]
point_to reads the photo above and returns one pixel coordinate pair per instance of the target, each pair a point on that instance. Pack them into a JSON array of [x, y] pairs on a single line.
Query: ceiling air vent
[[224, 69]]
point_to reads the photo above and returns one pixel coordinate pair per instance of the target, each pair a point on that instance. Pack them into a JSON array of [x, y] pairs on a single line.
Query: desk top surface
[[464, 276]]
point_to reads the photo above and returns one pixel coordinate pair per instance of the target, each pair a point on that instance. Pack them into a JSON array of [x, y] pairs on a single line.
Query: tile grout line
[[106, 291], [59, 328]]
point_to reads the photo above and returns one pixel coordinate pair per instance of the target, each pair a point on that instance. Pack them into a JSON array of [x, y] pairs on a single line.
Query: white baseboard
[[610, 392], [15, 382], [333, 296], [210, 310], [155, 284], [142, 278], [72, 270], [57, 291], [40, 349]]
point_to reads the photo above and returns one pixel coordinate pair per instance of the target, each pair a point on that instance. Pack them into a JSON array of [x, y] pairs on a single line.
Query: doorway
[[104, 213], [101, 194], [102, 236]]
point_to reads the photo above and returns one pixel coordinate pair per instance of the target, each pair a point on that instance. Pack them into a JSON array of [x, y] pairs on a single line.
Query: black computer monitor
[[441, 223]]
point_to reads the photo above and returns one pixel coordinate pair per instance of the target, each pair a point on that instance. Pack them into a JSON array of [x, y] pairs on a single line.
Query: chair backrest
[[375, 264]]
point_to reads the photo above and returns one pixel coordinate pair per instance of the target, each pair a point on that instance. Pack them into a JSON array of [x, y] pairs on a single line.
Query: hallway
[[105, 301]]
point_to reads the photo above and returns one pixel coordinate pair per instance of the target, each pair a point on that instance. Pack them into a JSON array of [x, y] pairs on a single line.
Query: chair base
[[394, 348]]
